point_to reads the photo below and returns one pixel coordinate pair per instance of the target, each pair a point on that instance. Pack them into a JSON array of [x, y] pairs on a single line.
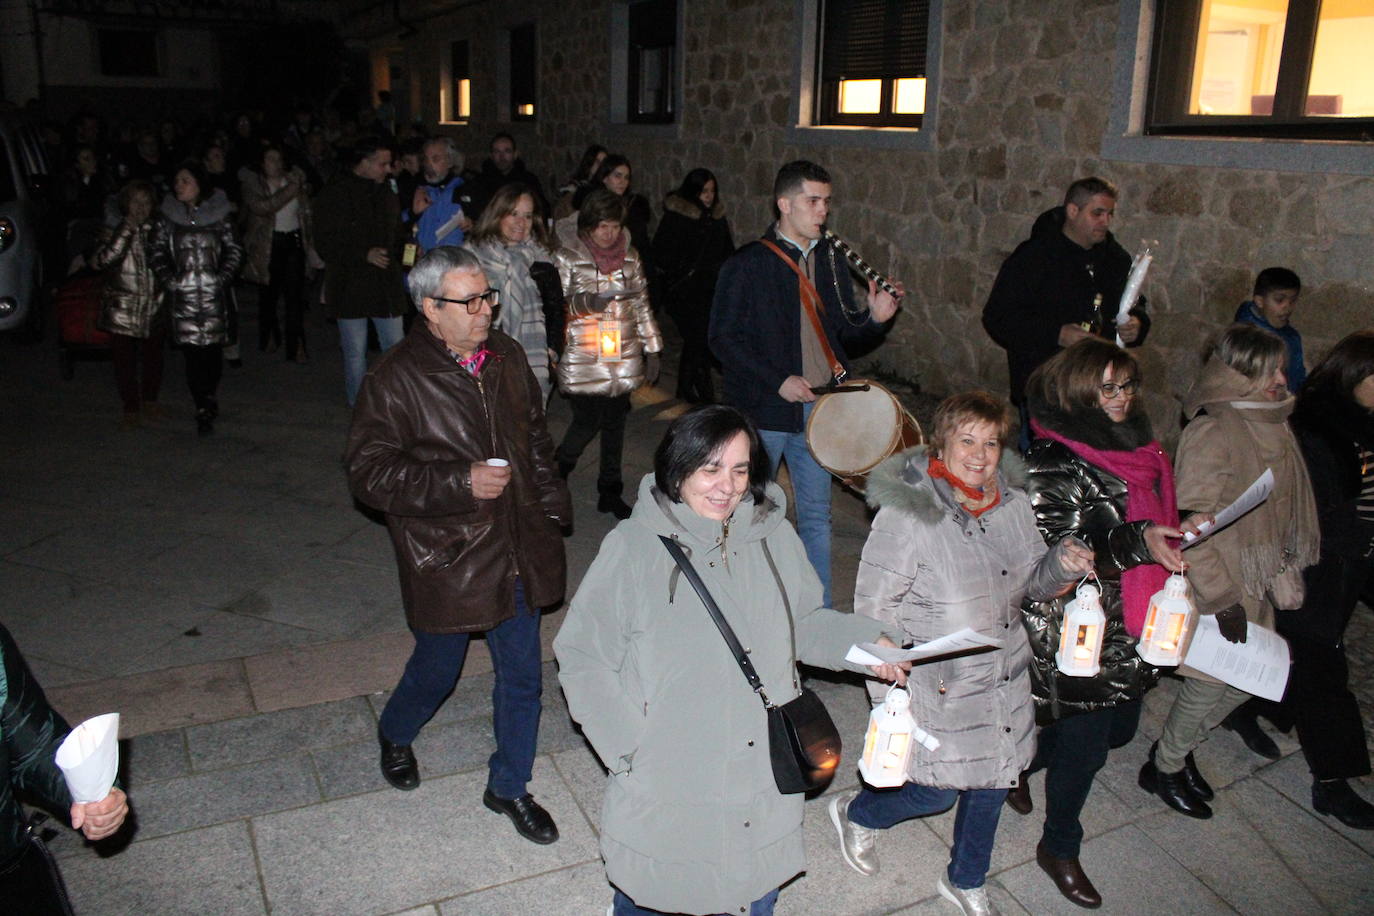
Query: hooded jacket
[[420, 423], [929, 568], [692, 821], [1075, 498], [582, 369], [691, 244], [195, 257], [1050, 281]]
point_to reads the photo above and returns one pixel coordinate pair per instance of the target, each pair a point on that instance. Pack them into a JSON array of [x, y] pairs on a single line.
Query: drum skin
[[850, 432]]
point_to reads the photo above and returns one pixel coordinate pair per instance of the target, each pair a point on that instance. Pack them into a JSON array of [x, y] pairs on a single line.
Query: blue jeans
[[433, 669], [624, 906], [1071, 751], [810, 490], [353, 342], [975, 823]]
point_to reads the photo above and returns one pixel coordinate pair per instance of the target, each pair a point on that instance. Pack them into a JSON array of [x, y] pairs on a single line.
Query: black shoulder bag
[[803, 743]]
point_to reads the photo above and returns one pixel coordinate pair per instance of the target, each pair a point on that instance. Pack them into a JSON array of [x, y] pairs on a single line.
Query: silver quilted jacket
[[195, 257]]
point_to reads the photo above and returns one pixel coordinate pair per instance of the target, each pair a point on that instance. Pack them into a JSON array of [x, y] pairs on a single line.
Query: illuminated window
[[524, 65], [872, 62], [456, 100], [1289, 68]]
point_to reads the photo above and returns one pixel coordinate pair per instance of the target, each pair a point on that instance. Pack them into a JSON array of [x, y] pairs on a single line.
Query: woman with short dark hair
[[611, 341], [693, 821], [195, 256]]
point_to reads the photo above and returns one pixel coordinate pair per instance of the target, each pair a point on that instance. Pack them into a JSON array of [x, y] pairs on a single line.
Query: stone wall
[[1022, 111]]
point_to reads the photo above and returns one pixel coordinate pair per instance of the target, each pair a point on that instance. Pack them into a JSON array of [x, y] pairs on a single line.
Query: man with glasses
[[1060, 285], [449, 442]]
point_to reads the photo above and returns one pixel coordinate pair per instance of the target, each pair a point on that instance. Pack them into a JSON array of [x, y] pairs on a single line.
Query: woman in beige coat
[[1238, 409], [279, 246], [611, 339]]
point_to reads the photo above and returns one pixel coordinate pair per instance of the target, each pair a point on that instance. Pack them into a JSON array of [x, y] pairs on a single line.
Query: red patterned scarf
[[974, 501]]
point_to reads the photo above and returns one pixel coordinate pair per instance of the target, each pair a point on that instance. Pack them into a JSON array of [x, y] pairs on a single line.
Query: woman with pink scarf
[[1096, 473]]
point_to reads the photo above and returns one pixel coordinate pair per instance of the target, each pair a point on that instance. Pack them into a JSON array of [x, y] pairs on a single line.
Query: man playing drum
[[783, 316]]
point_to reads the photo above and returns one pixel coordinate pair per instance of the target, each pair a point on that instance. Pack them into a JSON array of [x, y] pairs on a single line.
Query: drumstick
[[837, 389]]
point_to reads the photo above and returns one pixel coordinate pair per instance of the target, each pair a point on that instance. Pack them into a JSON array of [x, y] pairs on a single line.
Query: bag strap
[[810, 300], [731, 640]]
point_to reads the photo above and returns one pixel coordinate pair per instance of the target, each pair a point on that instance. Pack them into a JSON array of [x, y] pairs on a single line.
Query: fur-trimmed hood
[[1092, 426], [209, 211], [902, 483], [676, 203]]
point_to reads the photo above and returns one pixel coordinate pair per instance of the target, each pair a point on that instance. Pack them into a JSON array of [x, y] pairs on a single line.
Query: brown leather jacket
[[420, 422]]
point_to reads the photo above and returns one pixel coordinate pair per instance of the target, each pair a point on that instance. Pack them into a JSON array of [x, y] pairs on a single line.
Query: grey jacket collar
[[902, 483]]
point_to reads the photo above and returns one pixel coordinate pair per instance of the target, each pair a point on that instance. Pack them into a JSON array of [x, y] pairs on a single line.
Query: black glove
[[651, 363], [1231, 620]]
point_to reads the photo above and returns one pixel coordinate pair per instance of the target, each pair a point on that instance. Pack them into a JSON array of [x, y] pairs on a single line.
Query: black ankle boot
[[565, 468], [1336, 798], [1193, 777], [205, 423], [1244, 723], [610, 501], [1172, 789]]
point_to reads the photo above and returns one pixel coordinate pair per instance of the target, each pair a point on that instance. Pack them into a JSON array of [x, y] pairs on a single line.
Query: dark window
[[652, 66], [872, 62], [127, 52], [524, 65], [459, 107], [1263, 68]]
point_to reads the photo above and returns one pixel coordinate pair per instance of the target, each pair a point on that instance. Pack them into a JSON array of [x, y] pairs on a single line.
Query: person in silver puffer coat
[[195, 256]]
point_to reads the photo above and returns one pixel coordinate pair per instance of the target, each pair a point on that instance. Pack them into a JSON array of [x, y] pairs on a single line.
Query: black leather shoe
[[1068, 876], [1196, 784], [565, 468], [1247, 726], [205, 423], [1172, 788], [398, 764], [531, 821], [1019, 797], [612, 503], [1336, 798]]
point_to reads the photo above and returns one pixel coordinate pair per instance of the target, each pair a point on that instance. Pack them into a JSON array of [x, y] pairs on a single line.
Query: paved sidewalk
[[228, 599]]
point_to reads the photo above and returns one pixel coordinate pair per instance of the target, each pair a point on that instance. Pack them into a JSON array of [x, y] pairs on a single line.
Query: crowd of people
[[514, 299]]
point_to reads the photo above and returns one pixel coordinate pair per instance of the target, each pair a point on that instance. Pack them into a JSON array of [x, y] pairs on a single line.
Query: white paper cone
[[89, 758]]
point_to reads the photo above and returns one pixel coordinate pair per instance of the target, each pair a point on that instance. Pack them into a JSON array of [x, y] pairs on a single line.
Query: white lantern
[[1080, 636], [887, 746], [1168, 623], [608, 340]]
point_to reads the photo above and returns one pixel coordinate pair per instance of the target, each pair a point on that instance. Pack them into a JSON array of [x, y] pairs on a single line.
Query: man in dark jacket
[[357, 233], [769, 349], [503, 167], [448, 440], [1060, 285], [31, 731]]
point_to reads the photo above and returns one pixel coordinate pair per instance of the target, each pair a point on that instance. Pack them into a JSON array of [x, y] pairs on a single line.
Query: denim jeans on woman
[[975, 823]]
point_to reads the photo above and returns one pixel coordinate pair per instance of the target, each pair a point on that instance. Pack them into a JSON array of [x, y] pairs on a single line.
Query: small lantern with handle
[[887, 746], [1080, 635], [1168, 623]]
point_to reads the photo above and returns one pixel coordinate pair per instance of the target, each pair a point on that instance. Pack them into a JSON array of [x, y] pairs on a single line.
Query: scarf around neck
[[974, 501], [1150, 496], [608, 260]]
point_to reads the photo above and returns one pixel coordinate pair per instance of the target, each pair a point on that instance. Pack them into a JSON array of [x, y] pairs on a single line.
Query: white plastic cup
[[498, 463]]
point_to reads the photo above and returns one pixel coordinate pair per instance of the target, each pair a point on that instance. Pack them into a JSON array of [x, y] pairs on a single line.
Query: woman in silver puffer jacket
[[611, 340], [195, 257]]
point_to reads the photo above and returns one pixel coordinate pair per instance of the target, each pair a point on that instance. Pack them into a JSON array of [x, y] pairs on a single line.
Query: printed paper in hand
[[867, 653], [1259, 665], [1255, 494], [89, 757]]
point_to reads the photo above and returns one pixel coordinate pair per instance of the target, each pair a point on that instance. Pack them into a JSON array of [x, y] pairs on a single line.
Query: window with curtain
[[652, 70], [524, 66], [1263, 68], [871, 62], [458, 105]]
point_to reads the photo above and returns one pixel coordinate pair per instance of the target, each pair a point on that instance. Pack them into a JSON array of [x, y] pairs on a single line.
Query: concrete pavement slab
[[222, 634], [100, 546], [209, 871], [29, 592], [1292, 777], [276, 734], [332, 599], [219, 796], [578, 889], [24, 522], [389, 850], [369, 545], [148, 758], [327, 671], [586, 780], [210, 570], [155, 701]]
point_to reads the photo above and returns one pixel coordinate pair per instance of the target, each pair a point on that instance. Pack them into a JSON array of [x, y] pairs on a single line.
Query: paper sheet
[[867, 653], [89, 757], [1259, 665], [1255, 494]]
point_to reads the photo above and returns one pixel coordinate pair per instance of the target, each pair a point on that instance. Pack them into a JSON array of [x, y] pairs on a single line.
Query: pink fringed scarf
[[1150, 495]]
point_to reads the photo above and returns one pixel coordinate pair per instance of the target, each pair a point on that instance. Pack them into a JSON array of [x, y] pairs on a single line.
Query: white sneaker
[[858, 845], [971, 902]]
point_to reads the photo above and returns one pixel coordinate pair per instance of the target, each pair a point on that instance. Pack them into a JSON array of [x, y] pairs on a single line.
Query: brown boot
[[1019, 797], [1068, 876]]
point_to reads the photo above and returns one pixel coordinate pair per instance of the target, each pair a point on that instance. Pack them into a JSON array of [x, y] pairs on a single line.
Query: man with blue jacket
[[436, 207], [773, 354]]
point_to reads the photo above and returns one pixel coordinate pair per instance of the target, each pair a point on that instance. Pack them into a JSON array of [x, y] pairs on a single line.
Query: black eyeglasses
[[473, 304], [1112, 389]]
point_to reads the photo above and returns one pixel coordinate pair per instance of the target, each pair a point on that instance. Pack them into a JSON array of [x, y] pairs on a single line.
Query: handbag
[[803, 742]]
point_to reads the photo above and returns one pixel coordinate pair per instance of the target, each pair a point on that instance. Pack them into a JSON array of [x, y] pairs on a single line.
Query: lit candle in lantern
[[1168, 622], [888, 743], [1080, 635], [608, 335]]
